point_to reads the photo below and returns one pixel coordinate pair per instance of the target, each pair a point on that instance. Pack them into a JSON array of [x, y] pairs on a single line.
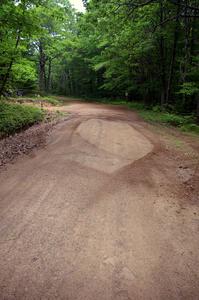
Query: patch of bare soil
[[183, 150], [23, 142]]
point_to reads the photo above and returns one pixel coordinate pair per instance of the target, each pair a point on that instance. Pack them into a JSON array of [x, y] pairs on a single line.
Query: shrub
[[190, 128], [52, 101], [14, 117], [136, 105], [172, 119]]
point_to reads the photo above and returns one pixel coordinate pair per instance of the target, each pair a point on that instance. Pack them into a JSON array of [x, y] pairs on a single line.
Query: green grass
[[14, 117], [40, 99], [163, 117], [51, 100], [190, 128], [155, 115], [185, 123]]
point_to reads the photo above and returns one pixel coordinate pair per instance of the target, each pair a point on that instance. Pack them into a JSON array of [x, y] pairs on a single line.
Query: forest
[[139, 50]]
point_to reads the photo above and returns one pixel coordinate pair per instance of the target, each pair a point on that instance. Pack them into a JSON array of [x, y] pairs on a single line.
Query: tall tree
[[17, 24]]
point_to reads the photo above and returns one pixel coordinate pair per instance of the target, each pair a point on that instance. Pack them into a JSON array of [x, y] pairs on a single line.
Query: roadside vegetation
[[157, 114], [41, 100], [20, 113], [185, 123], [14, 117]]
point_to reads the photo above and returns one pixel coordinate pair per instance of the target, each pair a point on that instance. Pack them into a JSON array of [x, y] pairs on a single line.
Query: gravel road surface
[[96, 215]]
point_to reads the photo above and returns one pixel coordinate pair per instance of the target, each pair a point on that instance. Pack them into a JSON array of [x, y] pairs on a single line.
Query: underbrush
[[185, 123], [51, 100], [38, 100], [155, 114], [14, 117]]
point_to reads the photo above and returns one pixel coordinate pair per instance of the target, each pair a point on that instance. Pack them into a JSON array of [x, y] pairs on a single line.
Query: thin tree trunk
[[70, 83], [42, 63], [186, 59], [186, 46], [173, 56], [48, 87], [193, 37], [6, 77], [193, 52], [162, 58], [197, 110]]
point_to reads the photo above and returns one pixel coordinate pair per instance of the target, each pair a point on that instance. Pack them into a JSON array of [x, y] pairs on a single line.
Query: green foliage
[[24, 74], [189, 89], [18, 23], [155, 114], [45, 99], [52, 101], [136, 105], [166, 118], [185, 123], [14, 117], [38, 100], [190, 128]]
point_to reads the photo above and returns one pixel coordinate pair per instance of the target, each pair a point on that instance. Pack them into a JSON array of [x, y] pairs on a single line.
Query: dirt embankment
[[23, 143]]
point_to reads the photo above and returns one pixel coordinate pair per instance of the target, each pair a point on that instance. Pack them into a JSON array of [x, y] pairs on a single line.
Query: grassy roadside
[[184, 123], [14, 117], [41, 100], [155, 115], [20, 113]]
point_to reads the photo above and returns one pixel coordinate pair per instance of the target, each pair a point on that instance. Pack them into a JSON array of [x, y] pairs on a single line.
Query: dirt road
[[97, 215]]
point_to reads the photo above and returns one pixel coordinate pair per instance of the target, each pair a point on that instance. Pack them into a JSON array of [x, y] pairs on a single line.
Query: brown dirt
[[101, 212], [25, 141]]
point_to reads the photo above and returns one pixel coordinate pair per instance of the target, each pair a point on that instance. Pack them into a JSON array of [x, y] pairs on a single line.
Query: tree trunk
[[162, 58], [6, 77], [197, 110], [48, 84], [42, 63], [186, 60], [173, 56], [193, 52], [70, 83]]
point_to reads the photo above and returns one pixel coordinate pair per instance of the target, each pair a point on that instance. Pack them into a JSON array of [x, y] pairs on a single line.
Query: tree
[[17, 23]]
